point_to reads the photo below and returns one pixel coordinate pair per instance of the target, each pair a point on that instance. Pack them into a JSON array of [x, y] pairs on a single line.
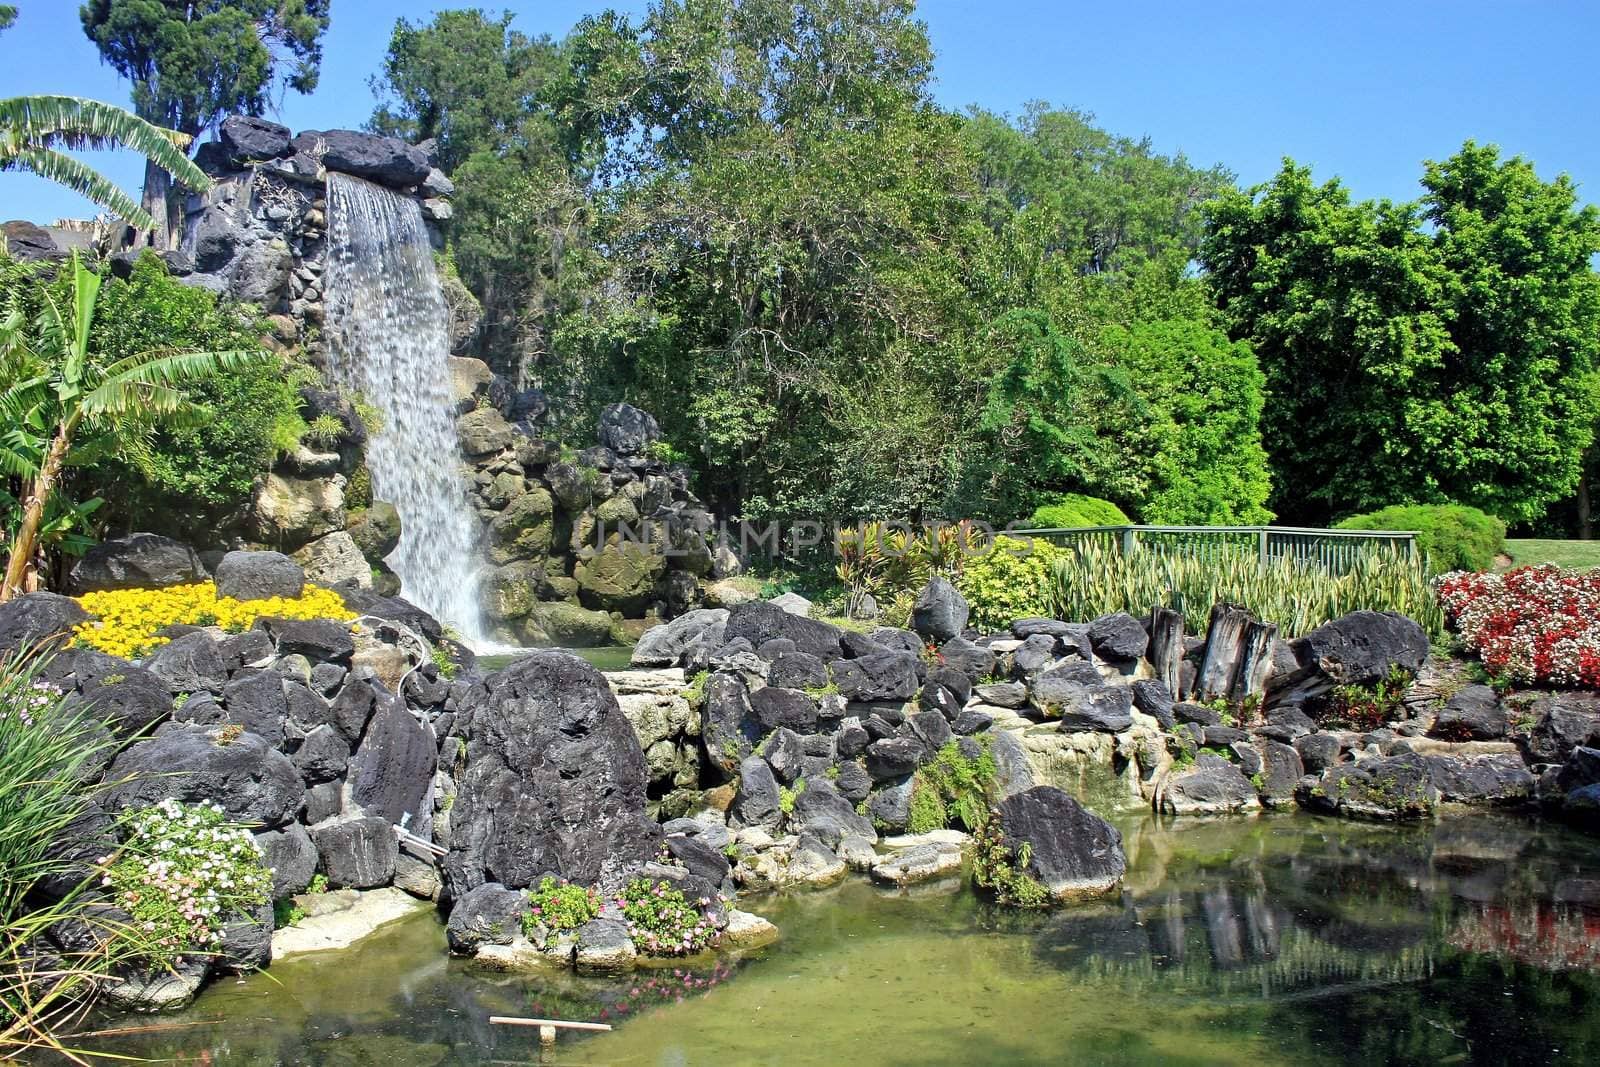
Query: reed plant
[[1093, 580], [51, 756]]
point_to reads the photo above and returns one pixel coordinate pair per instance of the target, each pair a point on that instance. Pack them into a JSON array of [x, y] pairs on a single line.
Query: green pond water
[[1287, 939], [605, 658]]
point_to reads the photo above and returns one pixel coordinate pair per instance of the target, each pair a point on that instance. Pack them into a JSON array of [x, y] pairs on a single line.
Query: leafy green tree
[[65, 403], [194, 62], [8, 16], [36, 132], [1393, 354]]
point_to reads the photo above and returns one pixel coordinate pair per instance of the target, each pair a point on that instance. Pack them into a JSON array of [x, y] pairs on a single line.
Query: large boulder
[[1360, 649], [484, 432], [626, 430], [489, 914], [248, 139], [670, 644], [760, 621], [27, 243], [189, 663], [620, 577], [1387, 788], [375, 530], [1562, 721], [728, 724], [1473, 714], [1075, 693], [252, 782], [940, 611], [259, 576], [1119, 637], [289, 510], [877, 676], [384, 160], [333, 559], [1213, 786], [291, 856], [391, 773], [356, 852], [756, 801], [1071, 851], [37, 619], [553, 780], [137, 561], [1499, 779]]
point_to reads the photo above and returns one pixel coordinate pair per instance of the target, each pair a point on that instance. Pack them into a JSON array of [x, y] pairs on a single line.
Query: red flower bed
[[1534, 625]]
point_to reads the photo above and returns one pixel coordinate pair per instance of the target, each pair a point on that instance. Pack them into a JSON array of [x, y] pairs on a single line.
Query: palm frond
[[125, 378], [81, 179], [73, 122]]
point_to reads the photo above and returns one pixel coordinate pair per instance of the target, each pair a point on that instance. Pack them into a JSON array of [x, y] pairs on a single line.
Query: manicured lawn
[[1577, 554]]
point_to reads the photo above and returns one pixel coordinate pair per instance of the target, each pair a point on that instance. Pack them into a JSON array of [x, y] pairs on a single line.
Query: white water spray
[[388, 337]]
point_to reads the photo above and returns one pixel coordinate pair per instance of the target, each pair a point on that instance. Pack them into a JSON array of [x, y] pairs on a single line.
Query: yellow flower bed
[[126, 620]]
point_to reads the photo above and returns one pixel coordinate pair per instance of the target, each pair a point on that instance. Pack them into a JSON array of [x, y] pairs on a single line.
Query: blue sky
[[1363, 89]]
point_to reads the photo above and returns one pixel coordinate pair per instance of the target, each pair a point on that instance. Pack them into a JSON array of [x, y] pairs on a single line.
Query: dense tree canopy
[[1442, 351]]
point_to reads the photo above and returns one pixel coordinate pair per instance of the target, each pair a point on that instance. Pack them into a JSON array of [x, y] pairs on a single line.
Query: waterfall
[[388, 338]]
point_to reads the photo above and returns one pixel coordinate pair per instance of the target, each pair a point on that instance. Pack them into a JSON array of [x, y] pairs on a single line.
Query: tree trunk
[[21, 574], [159, 202], [1585, 506]]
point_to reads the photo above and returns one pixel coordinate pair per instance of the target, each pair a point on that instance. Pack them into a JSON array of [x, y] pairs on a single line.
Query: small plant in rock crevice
[[662, 922], [952, 787], [695, 693], [1370, 707], [1003, 871], [558, 905]]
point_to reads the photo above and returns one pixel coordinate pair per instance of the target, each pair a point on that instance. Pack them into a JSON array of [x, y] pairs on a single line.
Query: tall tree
[[1416, 353], [193, 62], [8, 16]]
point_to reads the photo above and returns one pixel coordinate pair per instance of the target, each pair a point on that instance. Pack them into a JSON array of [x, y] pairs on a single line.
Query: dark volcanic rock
[[554, 780], [893, 757], [391, 773], [1118, 637], [1359, 649], [973, 660], [189, 664], [36, 619], [130, 698], [877, 676], [247, 139], [318, 640], [626, 430], [1072, 851], [356, 852], [1498, 779], [1213, 786], [797, 670], [1152, 697], [1393, 787], [1317, 751], [137, 561], [823, 811], [384, 160], [755, 803], [1473, 714], [259, 576], [728, 725], [252, 782], [774, 707], [940, 611], [255, 700], [671, 643], [489, 914], [292, 858], [759, 622]]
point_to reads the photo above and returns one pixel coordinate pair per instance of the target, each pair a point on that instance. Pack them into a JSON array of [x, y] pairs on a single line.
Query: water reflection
[[1287, 939]]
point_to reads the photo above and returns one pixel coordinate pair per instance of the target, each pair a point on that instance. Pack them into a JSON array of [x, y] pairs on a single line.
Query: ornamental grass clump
[[127, 622], [1530, 626], [1095, 580], [182, 873], [662, 922], [559, 905], [49, 760]]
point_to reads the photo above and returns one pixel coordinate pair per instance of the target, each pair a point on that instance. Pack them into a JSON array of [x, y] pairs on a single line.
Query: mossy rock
[[523, 530], [573, 626], [375, 530], [511, 591], [618, 511], [620, 577]]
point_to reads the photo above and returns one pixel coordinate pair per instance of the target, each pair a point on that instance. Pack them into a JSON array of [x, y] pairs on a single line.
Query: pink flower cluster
[[662, 922], [33, 702], [1533, 626]]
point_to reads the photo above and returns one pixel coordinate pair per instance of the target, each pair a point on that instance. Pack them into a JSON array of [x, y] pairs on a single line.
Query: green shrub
[[952, 787], [1095, 580], [187, 475], [663, 923], [1010, 581], [1075, 509], [1454, 537], [559, 906], [184, 872]]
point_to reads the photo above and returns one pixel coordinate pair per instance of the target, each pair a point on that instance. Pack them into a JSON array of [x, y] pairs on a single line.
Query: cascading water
[[389, 338]]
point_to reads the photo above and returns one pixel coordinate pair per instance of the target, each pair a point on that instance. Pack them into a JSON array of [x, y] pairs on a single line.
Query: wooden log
[[1255, 660], [1219, 662], [560, 1024], [1166, 648]]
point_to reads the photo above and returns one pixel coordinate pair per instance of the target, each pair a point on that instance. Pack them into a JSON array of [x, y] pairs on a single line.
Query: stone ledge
[[335, 926]]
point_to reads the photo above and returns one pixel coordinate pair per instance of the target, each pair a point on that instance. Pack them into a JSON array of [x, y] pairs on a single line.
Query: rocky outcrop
[[553, 780], [137, 561]]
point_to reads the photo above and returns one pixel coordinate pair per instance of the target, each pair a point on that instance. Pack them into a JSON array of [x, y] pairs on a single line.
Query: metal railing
[[1335, 550]]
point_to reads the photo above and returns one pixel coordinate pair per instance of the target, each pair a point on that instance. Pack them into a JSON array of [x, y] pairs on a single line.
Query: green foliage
[[952, 788], [695, 693], [319, 884], [34, 130], [559, 905], [1439, 351], [183, 477], [787, 796], [182, 873], [663, 923], [1369, 707], [8, 16], [1095, 580], [442, 660], [1012, 580], [1075, 509], [1454, 537], [1003, 871]]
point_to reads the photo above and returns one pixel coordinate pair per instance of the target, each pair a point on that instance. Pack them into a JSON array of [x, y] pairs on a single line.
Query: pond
[[605, 658], [1287, 939]]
